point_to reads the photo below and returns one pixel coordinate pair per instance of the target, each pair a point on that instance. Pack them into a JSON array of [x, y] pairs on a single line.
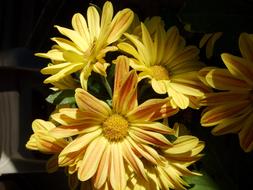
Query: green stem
[[107, 86]]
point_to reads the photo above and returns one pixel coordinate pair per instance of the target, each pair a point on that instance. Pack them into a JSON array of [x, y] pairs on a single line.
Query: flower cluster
[[121, 140]]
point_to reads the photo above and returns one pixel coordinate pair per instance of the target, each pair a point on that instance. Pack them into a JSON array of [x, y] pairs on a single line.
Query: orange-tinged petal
[[135, 163], [215, 115], [127, 96], [151, 110], [246, 46], [117, 169], [239, 67], [211, 99], [221, 79], [87, 102], [91, 159], [148, 137], [153, 126], [230, 125], [103, 168], [121, 70], [246, 134]]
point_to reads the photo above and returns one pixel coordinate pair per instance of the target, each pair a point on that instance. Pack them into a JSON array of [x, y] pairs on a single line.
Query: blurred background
[[26, 27]]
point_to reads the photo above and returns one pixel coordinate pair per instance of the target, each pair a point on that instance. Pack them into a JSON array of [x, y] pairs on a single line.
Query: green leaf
[[201, 182], [62, 97]]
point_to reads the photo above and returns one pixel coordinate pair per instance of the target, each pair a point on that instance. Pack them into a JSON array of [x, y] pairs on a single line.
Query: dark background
[[26, 27]]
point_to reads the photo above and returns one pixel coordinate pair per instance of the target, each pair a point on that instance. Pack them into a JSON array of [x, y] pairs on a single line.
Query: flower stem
[[107, 86]]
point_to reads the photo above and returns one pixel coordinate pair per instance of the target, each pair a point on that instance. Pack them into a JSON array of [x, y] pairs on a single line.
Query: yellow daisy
[[87, 44], [168, 174], [42, 141], [108, 138], [167, 62], [231, 109]]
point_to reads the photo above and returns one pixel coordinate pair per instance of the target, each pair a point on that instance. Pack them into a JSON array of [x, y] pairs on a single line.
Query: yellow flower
[[167, 62], [108, 138], [87, 44], [231, 110], [42, 141], [168, 174]]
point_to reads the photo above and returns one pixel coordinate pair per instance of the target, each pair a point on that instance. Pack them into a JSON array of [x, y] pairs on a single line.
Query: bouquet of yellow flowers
[[121, 89]]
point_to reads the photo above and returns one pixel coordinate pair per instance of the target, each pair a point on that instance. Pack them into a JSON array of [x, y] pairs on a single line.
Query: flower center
[[159, 72], [115, 127]]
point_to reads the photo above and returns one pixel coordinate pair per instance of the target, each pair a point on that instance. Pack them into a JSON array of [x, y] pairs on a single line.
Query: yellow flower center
[[115, 127], [159, 72]]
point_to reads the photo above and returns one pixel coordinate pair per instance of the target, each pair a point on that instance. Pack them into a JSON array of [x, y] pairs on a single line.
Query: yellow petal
[[210, 44], [182, 145], [186, 89], [81, 142], [74, 36], [67, 45], [93, 22], [120, 24], [100, 68], [73, 57], [53, 54], [106, 18], [148, 43], [159, 86], [128, 48], [181, 100], [53, 69], [79, 24], [64, 72], [85, 73], [117, 169], [246, 46], [239, 67], [91, 159]]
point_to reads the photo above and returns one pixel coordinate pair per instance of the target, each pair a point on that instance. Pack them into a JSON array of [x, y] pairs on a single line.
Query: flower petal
[[79, 24], [239, 67], [103, 168], [153, 126], [135, 163], [215, 115], [89, 103], [246, 46], [246, 134], [119, 24], [148, 137], [91, 159], [93, 22], [151, 110], [222, 79], [117, 169]]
